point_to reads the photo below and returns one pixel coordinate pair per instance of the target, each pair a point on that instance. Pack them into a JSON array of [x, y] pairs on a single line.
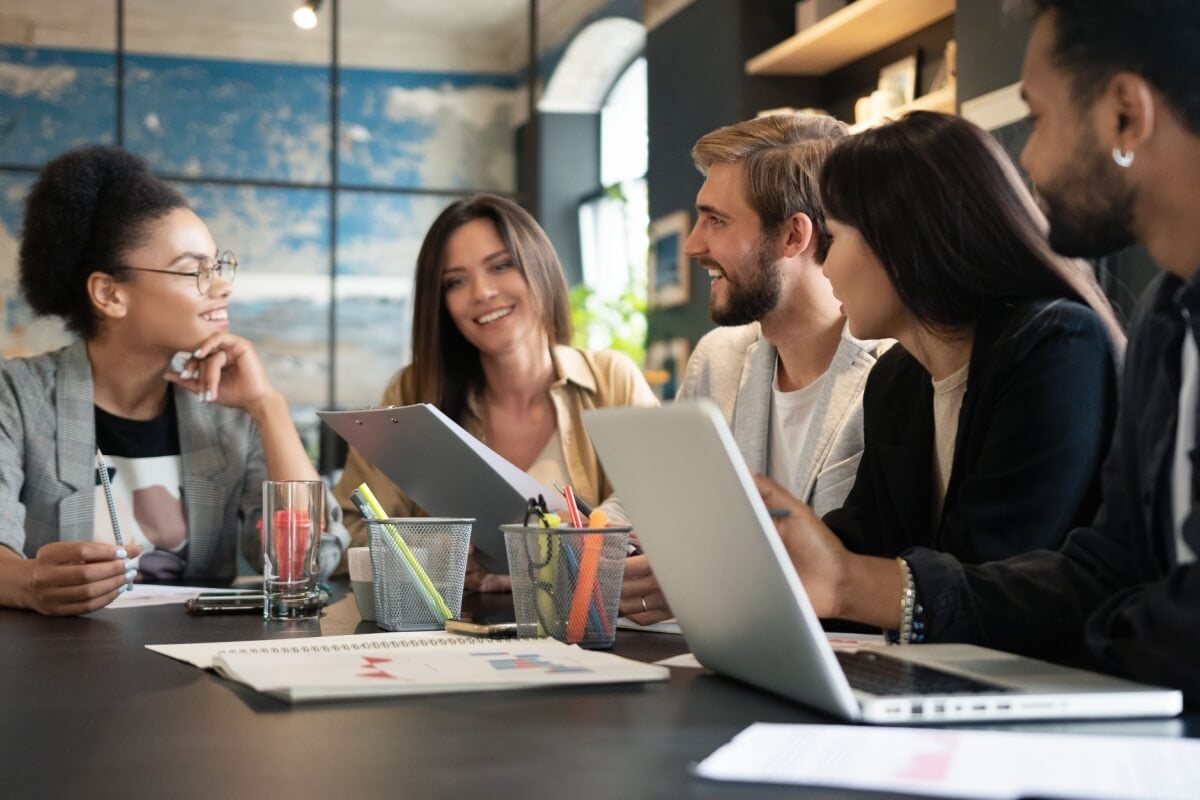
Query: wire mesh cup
[[436, 559], [566, 582]]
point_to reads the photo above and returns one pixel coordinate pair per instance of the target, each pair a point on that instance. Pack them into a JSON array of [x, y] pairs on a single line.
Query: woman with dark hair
[[135, 274], [985, 428], [491, 349]]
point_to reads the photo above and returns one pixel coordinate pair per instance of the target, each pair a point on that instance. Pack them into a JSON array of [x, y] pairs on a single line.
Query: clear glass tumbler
[[291, 531]]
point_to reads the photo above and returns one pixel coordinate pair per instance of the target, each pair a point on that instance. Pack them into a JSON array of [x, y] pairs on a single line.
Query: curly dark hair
[[87, 209], [1157, 39]]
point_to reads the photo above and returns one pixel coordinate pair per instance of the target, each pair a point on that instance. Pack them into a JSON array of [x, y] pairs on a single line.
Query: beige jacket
[[735, 367], [586, 380]]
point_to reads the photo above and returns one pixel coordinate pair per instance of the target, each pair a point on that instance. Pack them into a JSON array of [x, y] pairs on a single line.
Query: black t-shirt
[[145, 468]]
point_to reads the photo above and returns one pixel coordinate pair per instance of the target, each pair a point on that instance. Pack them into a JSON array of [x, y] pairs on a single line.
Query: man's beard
[[1089, 207], [753, 294]]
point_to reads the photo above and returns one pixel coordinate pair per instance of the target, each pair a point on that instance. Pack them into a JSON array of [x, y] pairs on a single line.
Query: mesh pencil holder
[[566, 582], [437, 550]]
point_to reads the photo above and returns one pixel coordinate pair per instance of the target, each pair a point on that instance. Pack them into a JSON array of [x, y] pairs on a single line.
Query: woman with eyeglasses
[[136, 276], [491, 349]]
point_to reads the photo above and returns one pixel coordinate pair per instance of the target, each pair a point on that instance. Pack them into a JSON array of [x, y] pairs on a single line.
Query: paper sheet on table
[[149, 594], [683, 661], [966, 764], [666, 626]]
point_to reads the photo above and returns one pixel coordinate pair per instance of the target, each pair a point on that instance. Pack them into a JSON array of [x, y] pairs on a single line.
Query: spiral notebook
[[395, 664]]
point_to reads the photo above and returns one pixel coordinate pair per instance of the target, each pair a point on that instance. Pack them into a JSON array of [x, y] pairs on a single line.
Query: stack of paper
[[967, 764]]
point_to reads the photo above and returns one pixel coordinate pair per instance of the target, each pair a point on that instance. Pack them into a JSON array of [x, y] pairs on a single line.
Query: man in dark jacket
[[1114, 95]]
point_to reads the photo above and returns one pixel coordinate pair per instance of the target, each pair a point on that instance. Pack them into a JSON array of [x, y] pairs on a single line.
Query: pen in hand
[[112, 511]]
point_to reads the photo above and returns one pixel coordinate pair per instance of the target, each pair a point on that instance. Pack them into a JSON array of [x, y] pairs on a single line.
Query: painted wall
[[409, 142]]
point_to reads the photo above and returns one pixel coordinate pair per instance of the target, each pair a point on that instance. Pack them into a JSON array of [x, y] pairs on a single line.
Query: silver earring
[[1123, 159]]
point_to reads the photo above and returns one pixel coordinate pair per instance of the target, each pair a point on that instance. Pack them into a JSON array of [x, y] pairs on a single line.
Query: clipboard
[[444, 469]]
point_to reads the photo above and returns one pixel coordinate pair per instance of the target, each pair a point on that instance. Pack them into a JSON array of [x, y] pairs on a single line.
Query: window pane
[[57, 78], [624, 136], [379, 236], [228, 89], [281, 297], [429, 98]]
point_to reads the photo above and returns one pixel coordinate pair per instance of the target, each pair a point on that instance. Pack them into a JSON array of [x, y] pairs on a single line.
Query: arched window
[[613, 224]]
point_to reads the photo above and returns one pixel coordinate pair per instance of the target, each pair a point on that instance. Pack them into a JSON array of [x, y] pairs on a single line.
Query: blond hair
[[783, 154]]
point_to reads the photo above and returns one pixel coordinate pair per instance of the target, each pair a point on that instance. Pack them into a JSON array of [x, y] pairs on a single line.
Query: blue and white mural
[[229, 119], [427, 130], [254, 121], [379, 236], [281, 296], [21, 334], [52, 100]]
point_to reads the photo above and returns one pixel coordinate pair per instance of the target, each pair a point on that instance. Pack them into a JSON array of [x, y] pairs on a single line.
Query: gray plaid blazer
[[48, 467]]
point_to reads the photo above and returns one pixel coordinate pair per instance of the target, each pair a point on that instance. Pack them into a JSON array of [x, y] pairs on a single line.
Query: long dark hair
[[946, 212], [445, 367]]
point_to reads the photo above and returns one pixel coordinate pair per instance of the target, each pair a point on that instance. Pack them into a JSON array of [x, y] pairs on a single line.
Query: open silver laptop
[[744, 612]]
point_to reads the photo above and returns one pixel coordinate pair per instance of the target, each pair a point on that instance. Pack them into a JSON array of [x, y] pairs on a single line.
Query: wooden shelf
[[857, 30], [943, 100]]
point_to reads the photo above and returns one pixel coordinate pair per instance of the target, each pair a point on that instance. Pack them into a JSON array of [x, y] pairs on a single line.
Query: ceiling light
[[306, 15]]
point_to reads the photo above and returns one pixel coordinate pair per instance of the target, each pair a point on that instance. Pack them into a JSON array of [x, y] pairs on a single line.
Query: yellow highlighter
[[548, 556], [432, 597]]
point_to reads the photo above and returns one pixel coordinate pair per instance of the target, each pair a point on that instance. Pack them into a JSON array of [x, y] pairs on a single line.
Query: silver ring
[[644, 608]]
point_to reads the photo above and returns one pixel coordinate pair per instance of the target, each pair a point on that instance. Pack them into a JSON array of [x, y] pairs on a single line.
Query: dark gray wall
[[568, 171], [991, 46]]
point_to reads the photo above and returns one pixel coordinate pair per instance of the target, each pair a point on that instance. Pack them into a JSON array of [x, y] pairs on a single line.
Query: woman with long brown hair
[[491, 349]]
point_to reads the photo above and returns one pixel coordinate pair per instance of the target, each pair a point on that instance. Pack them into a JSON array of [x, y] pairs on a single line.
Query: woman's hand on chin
[[225, 369]]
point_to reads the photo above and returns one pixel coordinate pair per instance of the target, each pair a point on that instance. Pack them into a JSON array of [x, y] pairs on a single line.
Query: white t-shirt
[[1185, 440], [947, 403], [791, 417], [145, 469]]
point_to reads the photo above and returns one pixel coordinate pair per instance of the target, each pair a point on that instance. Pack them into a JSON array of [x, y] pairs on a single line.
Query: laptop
[[745, 614]]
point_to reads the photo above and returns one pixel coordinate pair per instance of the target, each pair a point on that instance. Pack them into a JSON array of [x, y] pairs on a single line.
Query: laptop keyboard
[[881, 674]]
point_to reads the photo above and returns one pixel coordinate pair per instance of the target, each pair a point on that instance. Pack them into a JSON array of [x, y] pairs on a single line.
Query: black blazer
[[1034, 427], [1116, 592]]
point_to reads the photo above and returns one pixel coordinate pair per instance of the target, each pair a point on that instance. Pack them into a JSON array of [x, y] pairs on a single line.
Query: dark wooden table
[[86, 711]]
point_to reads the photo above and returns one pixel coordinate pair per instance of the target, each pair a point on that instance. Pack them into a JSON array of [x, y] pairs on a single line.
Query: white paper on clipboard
[[445, 470]]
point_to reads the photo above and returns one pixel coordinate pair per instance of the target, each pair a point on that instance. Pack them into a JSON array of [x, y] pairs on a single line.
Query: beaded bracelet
[[908, 598]]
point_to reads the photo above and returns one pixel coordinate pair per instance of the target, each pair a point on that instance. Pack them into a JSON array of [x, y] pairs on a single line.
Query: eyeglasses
[[225, 265]]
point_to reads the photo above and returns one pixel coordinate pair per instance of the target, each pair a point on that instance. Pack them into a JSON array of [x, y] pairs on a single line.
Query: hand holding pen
[[70, 578]]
